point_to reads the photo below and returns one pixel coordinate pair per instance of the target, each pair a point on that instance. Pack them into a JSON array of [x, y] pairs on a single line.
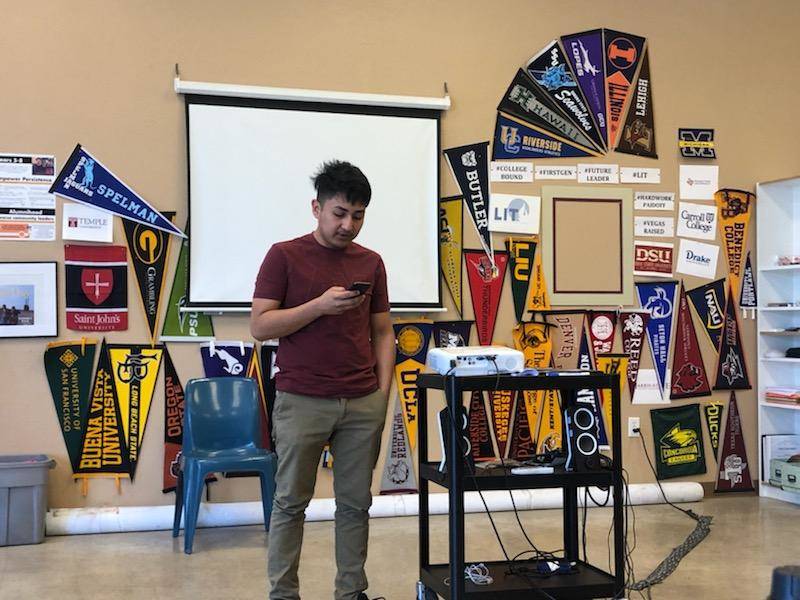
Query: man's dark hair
[[340, 177]]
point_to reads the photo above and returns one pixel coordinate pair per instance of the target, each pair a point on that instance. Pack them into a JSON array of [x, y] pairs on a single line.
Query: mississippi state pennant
[[591, 397], [485, 286], [709, 302], [735, 208], [538, 295], [731, 367], [638, 131], [97, 287], [634, 324], [522, 446], [623, 52], [451, 226], [520, 256], [658, 299], [689, 379], [515, 139], [502, 402], [398, 471], [678, 441], [480, 438], [748, 297], [450, 334], [566, 330], [602, 326], [612, 364], [226, 359], [734, 472], [713, 413], [585, 53], [412, 349]]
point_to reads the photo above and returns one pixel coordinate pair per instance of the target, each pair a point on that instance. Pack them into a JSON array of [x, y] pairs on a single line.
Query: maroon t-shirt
[[331, 356]]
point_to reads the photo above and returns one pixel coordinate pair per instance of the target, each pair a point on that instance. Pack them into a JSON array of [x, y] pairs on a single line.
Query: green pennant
[[184, 326], [520, 253]]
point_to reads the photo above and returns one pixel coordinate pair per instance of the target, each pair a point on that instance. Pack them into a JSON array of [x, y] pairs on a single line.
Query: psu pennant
[[689, 378], [734, 471]]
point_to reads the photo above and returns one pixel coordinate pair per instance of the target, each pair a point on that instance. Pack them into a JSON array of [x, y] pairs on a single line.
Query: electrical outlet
[[633, 423]]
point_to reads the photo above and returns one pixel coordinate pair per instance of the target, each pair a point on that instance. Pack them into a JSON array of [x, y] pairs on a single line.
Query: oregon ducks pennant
[[634, 324], [480, 438], [534, 341], [450, 334], [548, 437], [713, 413], [451, 231], [733, 474], [602, 326], [522, 445], [623, 53], [735, 208], [689, 379], [149, 251], [638, 134], [520, 256], [590, 397], [398, 472], [485, 287], [678, 441], [748, 297], [538, 299], [515, 139], [226, 359], [412, 348], [68, 366], [709, 302], [658, 299], [566, 329], [502, 402], [731, 367], [135, 370], [611, 364]]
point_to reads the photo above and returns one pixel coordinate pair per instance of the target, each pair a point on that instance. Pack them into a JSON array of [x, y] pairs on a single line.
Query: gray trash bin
[[23, 498]]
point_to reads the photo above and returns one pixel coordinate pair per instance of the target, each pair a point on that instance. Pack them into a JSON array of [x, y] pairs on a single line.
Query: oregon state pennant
[[480, 437], [612, 364], [520, 256], [713, 414], [748, 297], [634, 324], [485, 287], [566, 330], [451, 232], [398, 471], [735, 208], [522, 445], [602, 326], [678, 441], [450, 334], [689, 378], [658, 299], [502, 402], [623, 52], [96, 287], [709, 303], [590, 397], [734, 471], [538, 296], [638, 134], [731, 366], [412, 349]]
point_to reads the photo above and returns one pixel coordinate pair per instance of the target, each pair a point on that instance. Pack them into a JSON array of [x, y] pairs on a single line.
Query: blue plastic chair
[[221, 432]]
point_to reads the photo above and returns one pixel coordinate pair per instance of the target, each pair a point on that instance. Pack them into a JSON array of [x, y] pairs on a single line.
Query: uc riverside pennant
[[678, 440], [97, 287], [451, 226], [658, 299], [450, 334], [398, 472], [514, 139], [734, 472], [485, 285], [479, 436], [709, 302], [731, 367], [713, 412], [638, 134], [623, 53], [520, 255], [689, 378], [634, 324], [412, 348], [735, 208]]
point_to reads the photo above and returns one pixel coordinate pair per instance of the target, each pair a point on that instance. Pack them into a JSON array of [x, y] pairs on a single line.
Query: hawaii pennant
[[450, 334], [611, 364], [226, 359], [515, 139], [735, 208], [748, 297], [590, 397], [520, 256], [734, 472], [658, 299], [451, 227], [623, 52], [731, 367], [585, 53], [709, 302], [480, 438], [713, 413], [689, 378], [522, 446], [97, 287], [678, 441], [602, 326], [485, 279], [538, 299], [566, 330], [502, 402], [398, 472], [412, 349], [634, 324], [638, 131]]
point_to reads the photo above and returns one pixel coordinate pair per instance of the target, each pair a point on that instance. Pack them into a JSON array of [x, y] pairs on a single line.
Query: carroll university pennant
[[451, 226], [96, 288], [398, 471], [485, 286], [412, 349], [520, 255], [689, 379], [735, 208]]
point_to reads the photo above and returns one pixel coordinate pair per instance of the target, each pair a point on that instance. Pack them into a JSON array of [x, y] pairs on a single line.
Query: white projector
[[476, 360]]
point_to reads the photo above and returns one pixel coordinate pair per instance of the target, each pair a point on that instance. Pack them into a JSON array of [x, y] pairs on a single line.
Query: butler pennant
[[602, 326], [731, 367], [638, 135], [226, 359], [623, 52], [521, 252], [735, 208], [612, 364], [590, 397], [68, 366], [96, 288], [485, 287], [135, 371], [480, 438], [470, 168], [748, 297], [689, 379], [713, 414], [585, 53], [538, 299], [522, 445], [658, 299], [451, 227], [412, 348], [85, 179], [709, 302], [634, 324], [533, 340], [398, 470], [514, 139], [502, 403], [450, 334], [149, 251], [678, 440], [733, 474]]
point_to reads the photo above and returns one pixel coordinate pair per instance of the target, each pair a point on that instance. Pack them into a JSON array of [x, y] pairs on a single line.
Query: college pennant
[[566, 329], [731, 367], [520, 256], [709, 302], [254, 372], [533, 340], [713, 413], [412, 349], [748, 297], [480, 438], [485, 286], [149, 251], [678, 441], [585, 53], [590, 397], [602, 326], [623, 53], [69, 366], [398, 470], [269, 368], [634, 324], [734, 472], [96, 287], [658, 299], [638, 130], [515, 139], [522, 446], [85, 179], [538, 299], [549, 435], [451, 228], [502, 402], [226, 359], [689, 378], [611, 364], [735, 208], [449, 334]]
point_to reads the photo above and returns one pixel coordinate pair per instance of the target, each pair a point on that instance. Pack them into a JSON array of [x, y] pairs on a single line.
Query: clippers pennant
[[735, 208], [689, 378], [521, 252], [85, 179], [470, 168], [634, 324], [748, 297], [709, 302], [485, 286], [149, 250], [514, 139], [713, 413], [590, 397], [533, 340], [734, 472], [69, 366], [612, 364], [678, 440], [566, 330], [696, 143], [538, 299], [398, 471], [135, 371], [602, 326], [549, 435], [658, 299], [522, 445], [502, 402], [96, 288], [585, 53], [552, 73], [226, 359], [731, 367], [450, 334], [451, 227], [623, 52], [412, 349], [480, 439], [638, 134]]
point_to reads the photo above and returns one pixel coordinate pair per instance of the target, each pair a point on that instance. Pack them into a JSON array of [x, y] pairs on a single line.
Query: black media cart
[[589, 581]]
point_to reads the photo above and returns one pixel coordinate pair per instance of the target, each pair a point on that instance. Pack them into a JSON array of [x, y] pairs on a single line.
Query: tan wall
[[100, 73]]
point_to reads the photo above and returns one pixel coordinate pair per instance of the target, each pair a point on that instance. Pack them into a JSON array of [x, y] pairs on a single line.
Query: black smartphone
[[360, 286]]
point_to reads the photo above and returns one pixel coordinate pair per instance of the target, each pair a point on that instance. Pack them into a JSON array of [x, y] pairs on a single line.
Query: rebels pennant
[[96, 288], [634, 324]]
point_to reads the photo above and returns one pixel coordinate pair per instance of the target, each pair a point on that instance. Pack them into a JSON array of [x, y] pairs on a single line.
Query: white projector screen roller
[[250, 168]]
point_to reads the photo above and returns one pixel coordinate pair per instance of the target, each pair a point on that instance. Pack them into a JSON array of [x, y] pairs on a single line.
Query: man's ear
[[316, 208]]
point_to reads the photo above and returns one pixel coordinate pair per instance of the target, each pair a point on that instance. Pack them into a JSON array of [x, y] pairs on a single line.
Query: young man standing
[[336, 357]]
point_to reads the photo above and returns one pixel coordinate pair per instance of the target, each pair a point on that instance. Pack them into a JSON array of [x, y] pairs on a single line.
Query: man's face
[[338, 221]]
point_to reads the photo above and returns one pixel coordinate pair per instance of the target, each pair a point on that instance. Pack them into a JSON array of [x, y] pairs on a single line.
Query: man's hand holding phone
[[337, 300]]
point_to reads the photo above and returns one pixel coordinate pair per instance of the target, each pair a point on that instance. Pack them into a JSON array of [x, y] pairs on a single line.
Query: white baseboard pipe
[[71, 521]]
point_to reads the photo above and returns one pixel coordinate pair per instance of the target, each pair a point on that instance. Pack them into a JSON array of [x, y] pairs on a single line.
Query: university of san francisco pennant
[[480, 437], [485, 279], [520, 256], [96, 287], [623, 52], [709, 302], [748, 297], [590, 397], [515, 139], [731, 367], [69, 367], [638, 135], [713, 414], [658, 299], [678, 441], [585, 52], [451, 227], [538, 299], [734, 471], [450, 334], [735, 208], [412, 349], [634, 324], [566, 329], [689, 378], [502, 402], [612, 364], [522, 445], [602, 325], [398, 471], [226, 359]]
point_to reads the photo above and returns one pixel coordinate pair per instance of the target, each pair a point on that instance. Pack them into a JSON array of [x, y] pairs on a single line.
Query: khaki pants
[[302, 425]]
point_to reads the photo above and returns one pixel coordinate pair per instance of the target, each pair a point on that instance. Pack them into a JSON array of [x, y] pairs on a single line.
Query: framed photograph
[[28, 299]]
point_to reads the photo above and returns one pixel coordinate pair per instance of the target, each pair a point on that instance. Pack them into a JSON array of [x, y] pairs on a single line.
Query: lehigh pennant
[[735, 208], [412, 349], [689, 378], [521, 252], [634, 324], [731, 367], [480, 437], [451, 227], [398, 471], [638, 132], [485, 285], [734, 471]]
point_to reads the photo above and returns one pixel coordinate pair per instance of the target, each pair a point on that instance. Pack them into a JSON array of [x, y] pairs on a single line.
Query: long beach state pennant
[[748, 299], [638, 134], [451, 236], [623, 51], [634, 324], [502, 403], [398, 471], [591, 397], [678, 440], [97, 287], [713, 414], [515, 139], [86, 180], [412, 349], [69, 366], [451, 334], [731, 366], [602, 326], [585, 53], [612, 364], [658, 299], [538, 299], [689, 378], [521, 252], [734, 470], [485, 287], [480, 438], [709, 303], [735, 208]]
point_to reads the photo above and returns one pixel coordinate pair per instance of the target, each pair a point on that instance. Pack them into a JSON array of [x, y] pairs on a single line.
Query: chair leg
[[176, 520], [267, 493], [193, 486]]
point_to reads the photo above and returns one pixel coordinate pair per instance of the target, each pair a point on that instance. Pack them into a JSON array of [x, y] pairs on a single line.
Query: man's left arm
[[383, 345]]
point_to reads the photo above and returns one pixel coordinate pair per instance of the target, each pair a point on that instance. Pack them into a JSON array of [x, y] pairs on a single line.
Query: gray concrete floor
[[749, 537]]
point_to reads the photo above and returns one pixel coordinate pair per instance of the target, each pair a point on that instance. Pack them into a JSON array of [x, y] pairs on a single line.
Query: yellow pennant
[[538, 299], [535, 343], [406, 374], [451, 222], [550, 423], [735, 208], [611, 364]]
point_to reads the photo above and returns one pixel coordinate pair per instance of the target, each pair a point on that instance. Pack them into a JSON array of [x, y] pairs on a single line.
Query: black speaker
[[583, 447]]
